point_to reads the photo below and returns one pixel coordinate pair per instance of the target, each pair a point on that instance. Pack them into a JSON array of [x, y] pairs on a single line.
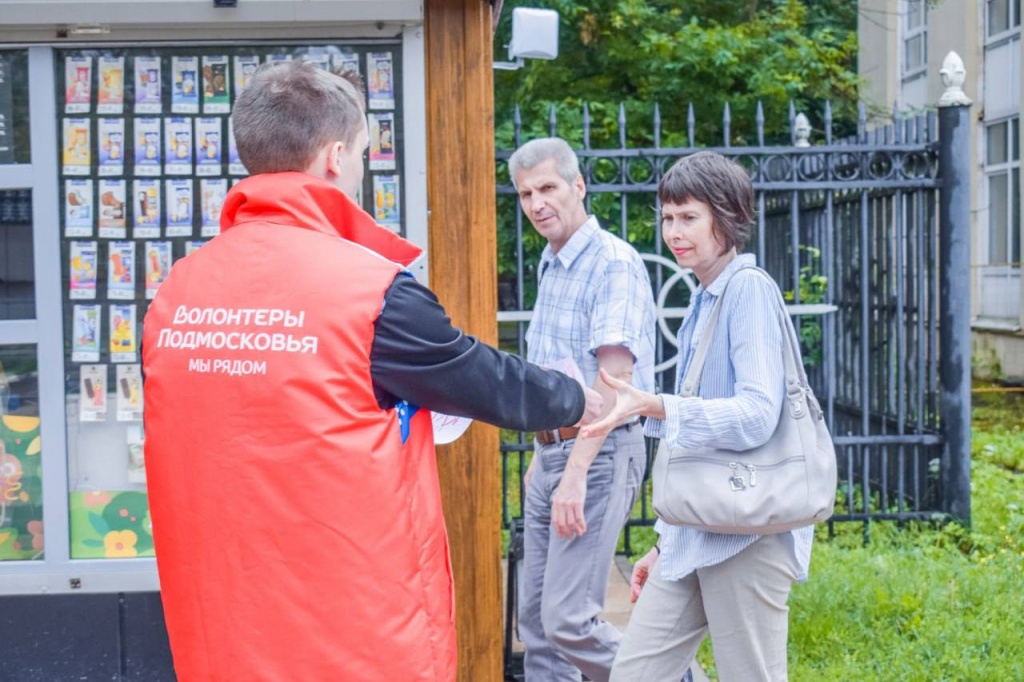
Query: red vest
[[297, 537]]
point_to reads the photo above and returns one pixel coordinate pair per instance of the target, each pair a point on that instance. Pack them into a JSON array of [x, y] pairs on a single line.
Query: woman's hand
[[641, 571], [629, 402]]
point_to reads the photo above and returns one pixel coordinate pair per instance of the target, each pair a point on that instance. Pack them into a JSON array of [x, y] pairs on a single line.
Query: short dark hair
[[289, 111], [720, 183]]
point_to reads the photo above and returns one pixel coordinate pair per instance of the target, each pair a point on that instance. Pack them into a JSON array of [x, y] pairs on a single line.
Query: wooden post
[[463, 249]]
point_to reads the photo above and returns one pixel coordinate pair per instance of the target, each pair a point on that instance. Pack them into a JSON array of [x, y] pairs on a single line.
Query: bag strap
[[794, 368]]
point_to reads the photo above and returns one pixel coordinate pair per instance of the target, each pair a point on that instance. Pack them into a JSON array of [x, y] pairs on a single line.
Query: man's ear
[[581, 186], [333, 154]]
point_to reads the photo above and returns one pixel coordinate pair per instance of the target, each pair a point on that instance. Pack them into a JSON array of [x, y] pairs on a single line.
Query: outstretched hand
[[628, 402]]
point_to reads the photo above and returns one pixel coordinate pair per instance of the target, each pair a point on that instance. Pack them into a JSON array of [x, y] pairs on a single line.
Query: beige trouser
[[741, 602]]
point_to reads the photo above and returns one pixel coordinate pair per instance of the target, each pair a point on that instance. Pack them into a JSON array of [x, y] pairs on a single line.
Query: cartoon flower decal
[[120, 543]]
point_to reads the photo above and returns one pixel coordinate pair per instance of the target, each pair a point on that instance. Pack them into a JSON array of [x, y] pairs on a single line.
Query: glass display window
[[21, 479]]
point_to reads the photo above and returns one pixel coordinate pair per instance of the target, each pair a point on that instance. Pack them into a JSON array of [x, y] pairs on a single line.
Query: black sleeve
[[418, 356]]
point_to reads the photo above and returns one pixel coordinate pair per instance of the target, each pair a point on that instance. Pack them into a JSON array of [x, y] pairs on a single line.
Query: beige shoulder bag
[[787, 483]]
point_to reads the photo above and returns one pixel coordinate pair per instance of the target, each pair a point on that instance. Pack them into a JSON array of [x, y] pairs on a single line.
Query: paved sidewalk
[[617, 605]]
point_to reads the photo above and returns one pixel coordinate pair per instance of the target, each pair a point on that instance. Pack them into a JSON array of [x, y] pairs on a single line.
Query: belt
[[569, 432], [557, 435]]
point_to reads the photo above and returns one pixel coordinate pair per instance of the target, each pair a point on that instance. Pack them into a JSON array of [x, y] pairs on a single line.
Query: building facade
[[902, 45]]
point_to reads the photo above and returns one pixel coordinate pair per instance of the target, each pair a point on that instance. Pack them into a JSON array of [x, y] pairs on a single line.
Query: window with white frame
[[1002, 176], [1001, 17], [915, 36]]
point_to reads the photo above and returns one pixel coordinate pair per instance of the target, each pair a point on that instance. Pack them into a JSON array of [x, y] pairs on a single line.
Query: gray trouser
[[564, 581], [741, 602]]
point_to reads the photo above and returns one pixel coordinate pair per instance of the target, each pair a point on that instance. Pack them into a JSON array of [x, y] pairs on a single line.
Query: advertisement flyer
[[208, 146], [235, 166], [148, 98], [129, 393], [78, 208], [320, 60], [179, 207], [216, 85], [274, 58], [382, 141], [110, 99], [193, 245], [146, 208], [83, 270], [185, 85], [212, 192], [92, 393], [123, 346], [85, 333], [147, 147], [77, 84], [245, 68], [111, 147], [346, 62], [178, 146], [385, 201], [112, 208], [77, 142], [158, 265], [380, 85], [121, 271]]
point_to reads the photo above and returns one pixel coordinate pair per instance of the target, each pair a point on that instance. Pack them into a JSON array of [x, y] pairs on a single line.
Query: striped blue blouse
[[740, 399]]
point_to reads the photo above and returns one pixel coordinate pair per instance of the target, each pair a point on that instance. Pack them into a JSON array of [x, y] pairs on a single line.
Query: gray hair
[[288, 113], [536, 152]]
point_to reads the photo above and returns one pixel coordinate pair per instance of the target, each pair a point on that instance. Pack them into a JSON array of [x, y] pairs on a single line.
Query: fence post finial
[[802, 130], [953, 74]]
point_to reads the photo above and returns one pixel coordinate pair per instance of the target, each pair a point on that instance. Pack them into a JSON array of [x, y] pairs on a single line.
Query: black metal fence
[[852, 232]]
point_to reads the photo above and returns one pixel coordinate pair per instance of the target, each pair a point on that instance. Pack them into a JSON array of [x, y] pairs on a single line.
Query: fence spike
[[657, 125], [517, 126], [759, 119], [586, 126], [726, 124], [622, 125], [691, 123], [552, 120], [828, 122], [862, 122], [792, 123]]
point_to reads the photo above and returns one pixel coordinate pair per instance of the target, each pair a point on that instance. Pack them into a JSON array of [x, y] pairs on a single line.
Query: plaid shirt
[[594, 292]]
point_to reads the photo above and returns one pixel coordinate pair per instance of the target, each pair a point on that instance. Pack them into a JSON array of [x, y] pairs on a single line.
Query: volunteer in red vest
[[290, 366]]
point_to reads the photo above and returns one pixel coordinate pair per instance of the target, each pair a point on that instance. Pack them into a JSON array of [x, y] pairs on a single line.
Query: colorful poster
[[245, 69], [216, 86], [134, 438], [123, 346], [212, 192], [111, 146], [110, 99], [179, 207], [185, 85], [381, 85], [82, 279], [178, 146], [275, 58], [235, 165], [158, 265], [208, 146], [121, 271], [192, 246], [92, 391], [85, 333], [112, 208], [78, 208], [77, 84], [147, 146], [148, 98], [77, 146], [146, 208], [386, 207], [129, 394], [346, 62], [321, 60], [382, 141]]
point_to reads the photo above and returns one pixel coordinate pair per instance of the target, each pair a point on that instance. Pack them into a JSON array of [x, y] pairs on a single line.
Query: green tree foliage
[[674, 52]]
